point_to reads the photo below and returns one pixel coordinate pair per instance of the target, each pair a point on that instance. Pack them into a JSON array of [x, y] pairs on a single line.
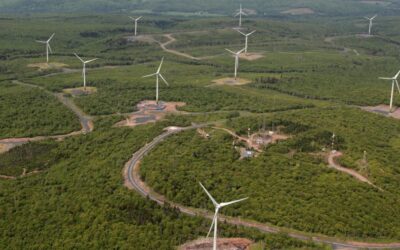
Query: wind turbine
[[240, 13], [236, 54], [218, 206], [48, 48], [247, 39], [136, 22], [158, 75], [84, 68], [370, 23], [394, 82]]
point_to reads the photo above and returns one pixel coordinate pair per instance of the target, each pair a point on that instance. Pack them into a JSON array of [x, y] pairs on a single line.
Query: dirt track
[[332, 163]]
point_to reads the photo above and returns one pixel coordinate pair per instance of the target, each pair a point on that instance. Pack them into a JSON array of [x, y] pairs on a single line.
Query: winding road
[[133, 181], [333, 164]]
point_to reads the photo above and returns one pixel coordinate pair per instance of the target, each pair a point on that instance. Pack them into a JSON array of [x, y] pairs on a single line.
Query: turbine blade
[[397, 75], [79, 58], [240, 32], [131, 18], [237, 14], [244, 13], [230, 51], [385, 78], [51, 37], [164, 79], [231, 202], [149, 75], [398, 87], [209, 195], [137, 19], [241, 51], [159, 68], [251, 33], [212, 224], [374, 17], [48, 45], [89, 61], [44, 42]]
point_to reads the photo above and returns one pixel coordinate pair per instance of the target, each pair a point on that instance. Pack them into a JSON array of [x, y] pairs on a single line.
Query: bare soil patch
[[383, 110], [3, 148], [80, 91], [47, 66], [299, 11], [251, 56], [141, 38], [222, 244], [149, 112], [231, 81], [260, 140]]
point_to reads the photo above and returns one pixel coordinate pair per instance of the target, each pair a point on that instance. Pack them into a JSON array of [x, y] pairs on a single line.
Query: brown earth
[[80, 91], [222, 244], [149, 114], [46, 66], [231, 81], [383, 110]]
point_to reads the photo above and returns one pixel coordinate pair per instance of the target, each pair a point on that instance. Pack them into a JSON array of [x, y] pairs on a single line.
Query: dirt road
[[333, 164]]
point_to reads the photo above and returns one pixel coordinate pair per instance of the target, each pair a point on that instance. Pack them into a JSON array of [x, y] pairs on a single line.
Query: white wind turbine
[[240, 13], [48, 48], [370, 23], [394, 82], [236, 54], [136, 22], [84, 68], [218, 206], [247, 39], [158, 75]]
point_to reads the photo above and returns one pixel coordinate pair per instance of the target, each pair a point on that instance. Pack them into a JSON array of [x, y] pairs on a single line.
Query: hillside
[[225, 7]]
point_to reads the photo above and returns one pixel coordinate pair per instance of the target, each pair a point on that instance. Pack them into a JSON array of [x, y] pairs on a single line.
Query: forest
[[288, 184], [308, 84], [30, 112]]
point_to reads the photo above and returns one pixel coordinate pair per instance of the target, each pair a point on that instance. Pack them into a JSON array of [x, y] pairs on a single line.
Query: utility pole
[[333, 141]]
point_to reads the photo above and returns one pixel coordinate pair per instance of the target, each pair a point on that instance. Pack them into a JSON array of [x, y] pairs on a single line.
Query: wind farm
[[288, 113]]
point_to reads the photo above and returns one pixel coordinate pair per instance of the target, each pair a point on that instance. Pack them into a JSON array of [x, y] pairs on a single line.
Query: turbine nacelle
[[84, 68], [136, 19], [394, 82], [158, 75], [48, 47], [217, 206]]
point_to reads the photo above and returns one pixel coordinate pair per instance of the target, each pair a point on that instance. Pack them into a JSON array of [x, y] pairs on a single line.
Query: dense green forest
[[27, 112], [287, 184], [81, 203]]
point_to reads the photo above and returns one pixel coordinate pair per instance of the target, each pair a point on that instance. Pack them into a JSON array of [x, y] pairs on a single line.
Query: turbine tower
[[370, 23], [240, 13], [48, 48], [136, 23], [236, 54], [84, 68], [158, 75], [247, 39], [394, 82], [217, 206]]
